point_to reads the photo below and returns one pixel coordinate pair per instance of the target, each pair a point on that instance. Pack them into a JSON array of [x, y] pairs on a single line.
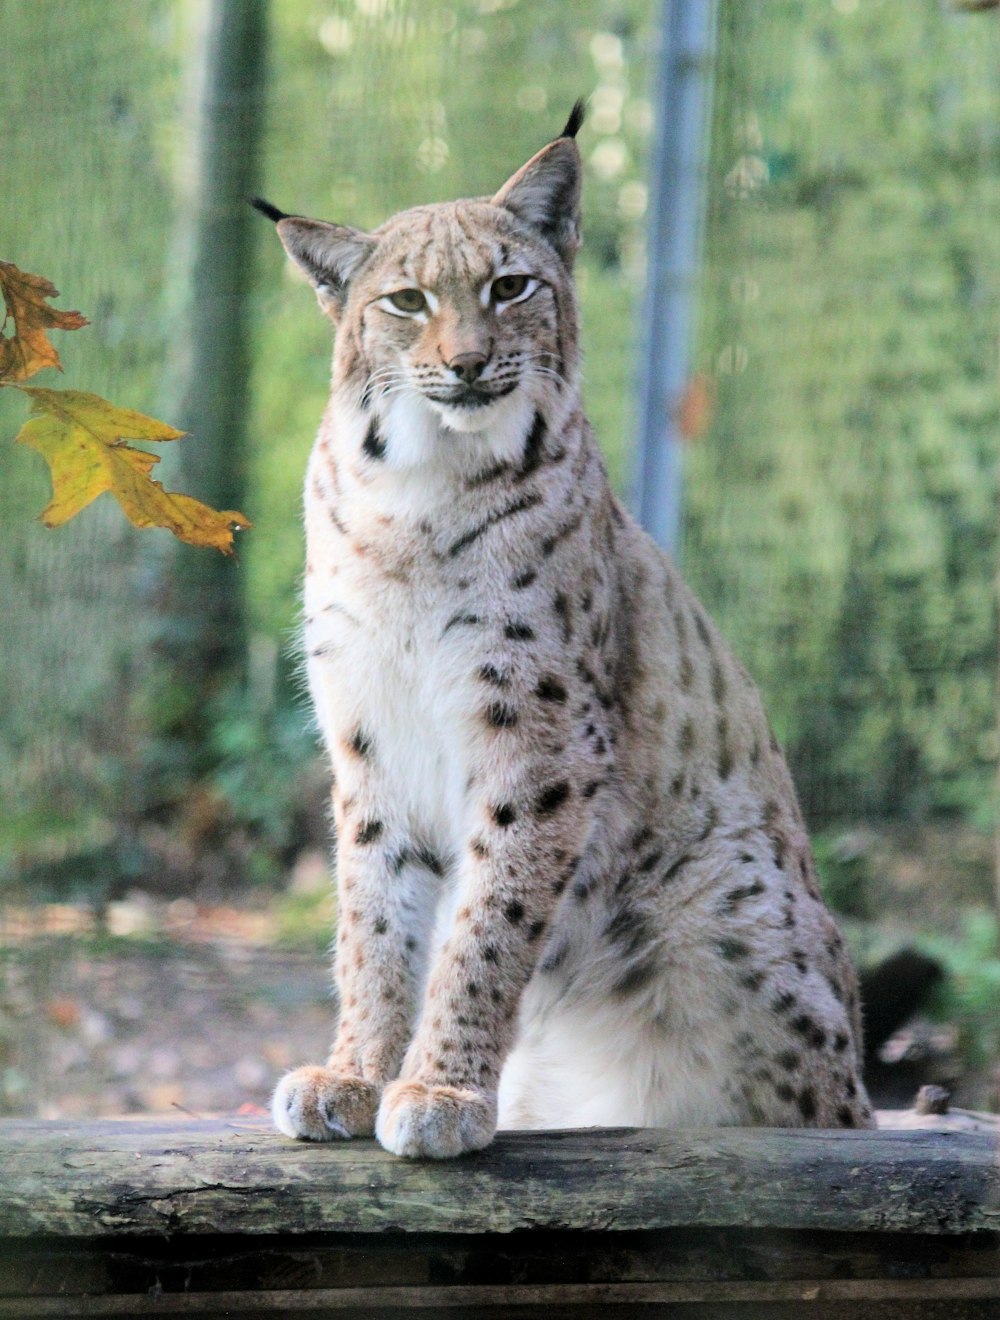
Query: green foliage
[[841, 511], [841, 515], [305, 921], [844, 872], [262, 761], [970, 995]]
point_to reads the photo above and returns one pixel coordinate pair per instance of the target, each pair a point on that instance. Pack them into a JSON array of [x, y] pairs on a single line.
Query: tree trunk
[[208, 596]]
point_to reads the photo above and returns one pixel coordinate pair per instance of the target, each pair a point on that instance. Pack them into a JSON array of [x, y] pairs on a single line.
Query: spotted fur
[[574, 884]]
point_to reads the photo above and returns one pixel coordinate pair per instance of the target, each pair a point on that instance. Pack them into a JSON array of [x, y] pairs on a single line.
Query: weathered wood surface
[[111, 1178]]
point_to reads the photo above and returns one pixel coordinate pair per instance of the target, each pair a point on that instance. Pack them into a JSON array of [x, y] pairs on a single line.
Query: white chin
[[470, 420]]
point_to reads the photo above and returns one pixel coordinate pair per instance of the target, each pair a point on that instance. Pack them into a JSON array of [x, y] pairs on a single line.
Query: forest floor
[[170, 1007], [158, 1006]]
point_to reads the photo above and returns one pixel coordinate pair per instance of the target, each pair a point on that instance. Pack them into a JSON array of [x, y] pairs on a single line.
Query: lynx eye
[[508, 287], [408, 300]]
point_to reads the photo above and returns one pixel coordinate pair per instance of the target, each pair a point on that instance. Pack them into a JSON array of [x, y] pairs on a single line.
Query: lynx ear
[[545, 193], [329, 254]]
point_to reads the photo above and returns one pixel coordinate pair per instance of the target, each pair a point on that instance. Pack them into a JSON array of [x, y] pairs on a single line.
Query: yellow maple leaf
[[29, 350], [82, 438]]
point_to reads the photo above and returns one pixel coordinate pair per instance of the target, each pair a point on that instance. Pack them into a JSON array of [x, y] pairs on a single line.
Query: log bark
[[115, 1178]]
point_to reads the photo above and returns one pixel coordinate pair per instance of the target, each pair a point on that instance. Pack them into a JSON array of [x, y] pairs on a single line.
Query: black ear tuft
[[265, 208], [576, 116]]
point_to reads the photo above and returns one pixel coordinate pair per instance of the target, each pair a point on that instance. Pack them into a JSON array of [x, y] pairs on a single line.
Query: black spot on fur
[[550, 689], [783, 1002], [845, 1116], [551, 798], [701, 625], [460, 620], [735, 897], [624, 880], [373, 444], [534, 448], [687, 737], [810, 1031], [788, 1060], [524, 579], [519, 632], [733, 950], [753, 980], [841, 1042], [711, 821], [686, 672], [361, 743], [500, 716], [568, 528], [680, 863], [514, 911], [725, 762], [628, 931], [426, 857], [718, 682], [487, 475], [534, 930], [421, 856], [649, 861], [504, 814], [636, 978], [560, 603], [590, 788], [490, 674], [807, 1104], [519, 505], [368, 831]]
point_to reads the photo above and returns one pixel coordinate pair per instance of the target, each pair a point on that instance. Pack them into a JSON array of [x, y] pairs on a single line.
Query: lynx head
[[463, 311]]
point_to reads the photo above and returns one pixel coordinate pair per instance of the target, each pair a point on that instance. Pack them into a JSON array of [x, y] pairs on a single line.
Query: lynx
[[574, 884]]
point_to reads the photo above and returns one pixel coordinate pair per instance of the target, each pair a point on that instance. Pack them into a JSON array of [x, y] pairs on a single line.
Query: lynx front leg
[[517, 865], [385, 899]]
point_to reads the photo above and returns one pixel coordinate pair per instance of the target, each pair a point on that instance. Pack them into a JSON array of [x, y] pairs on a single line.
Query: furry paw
[[316, 1104], [437, 1122]]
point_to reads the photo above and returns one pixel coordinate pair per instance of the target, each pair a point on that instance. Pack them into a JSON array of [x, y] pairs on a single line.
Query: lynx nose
[[468, 367]]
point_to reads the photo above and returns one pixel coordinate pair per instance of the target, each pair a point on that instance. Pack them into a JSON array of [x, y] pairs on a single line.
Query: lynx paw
[[437, 1122], [316, 1104]]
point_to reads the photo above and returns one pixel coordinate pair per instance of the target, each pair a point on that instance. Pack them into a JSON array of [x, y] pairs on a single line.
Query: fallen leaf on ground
[[63, 1012]]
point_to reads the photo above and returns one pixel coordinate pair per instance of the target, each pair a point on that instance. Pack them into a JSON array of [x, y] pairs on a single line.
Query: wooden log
[[111, 1178]]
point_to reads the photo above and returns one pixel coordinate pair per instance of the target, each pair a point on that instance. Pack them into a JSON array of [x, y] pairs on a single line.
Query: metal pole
[[676, 210]]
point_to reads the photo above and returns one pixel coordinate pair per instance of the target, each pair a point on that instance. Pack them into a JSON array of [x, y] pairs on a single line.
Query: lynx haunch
[[574, 883]]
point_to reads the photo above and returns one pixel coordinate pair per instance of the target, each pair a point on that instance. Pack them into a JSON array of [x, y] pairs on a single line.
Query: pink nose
[[468, 367]]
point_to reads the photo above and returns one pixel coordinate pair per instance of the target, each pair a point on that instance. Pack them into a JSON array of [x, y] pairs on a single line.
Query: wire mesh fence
[[839, 508]]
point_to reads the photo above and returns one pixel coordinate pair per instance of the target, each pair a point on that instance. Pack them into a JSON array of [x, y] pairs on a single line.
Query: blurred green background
[[840, 509]]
